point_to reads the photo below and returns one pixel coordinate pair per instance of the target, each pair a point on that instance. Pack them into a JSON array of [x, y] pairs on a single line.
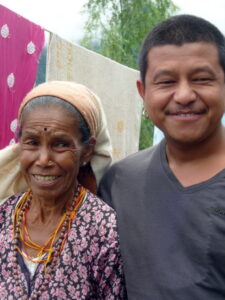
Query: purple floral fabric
[[89, 267]]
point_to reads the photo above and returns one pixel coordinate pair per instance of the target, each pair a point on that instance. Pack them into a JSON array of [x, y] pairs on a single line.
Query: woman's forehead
[[50, 132], [52, 119], [47, 111]]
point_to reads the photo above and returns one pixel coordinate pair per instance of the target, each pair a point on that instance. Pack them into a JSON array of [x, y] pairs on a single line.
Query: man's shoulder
[[137, 161], [126, 173]]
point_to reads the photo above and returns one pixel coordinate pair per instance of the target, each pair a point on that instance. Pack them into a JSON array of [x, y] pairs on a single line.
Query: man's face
[[184, 92]]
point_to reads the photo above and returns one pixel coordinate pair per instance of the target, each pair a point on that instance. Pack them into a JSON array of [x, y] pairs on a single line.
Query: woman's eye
[[61, 144], [31, 143]]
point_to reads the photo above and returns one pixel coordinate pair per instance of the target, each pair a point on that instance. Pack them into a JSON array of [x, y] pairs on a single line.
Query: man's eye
[[165, 82], [202, 79]]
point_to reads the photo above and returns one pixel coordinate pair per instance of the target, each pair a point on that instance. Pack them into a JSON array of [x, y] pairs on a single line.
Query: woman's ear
[[86, 175], [88, 151]]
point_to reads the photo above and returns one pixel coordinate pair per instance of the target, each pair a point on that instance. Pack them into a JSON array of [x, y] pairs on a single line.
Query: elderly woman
[[57, 239]]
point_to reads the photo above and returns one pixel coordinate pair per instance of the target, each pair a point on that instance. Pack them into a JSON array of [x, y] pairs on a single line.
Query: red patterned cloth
[[21, 43]]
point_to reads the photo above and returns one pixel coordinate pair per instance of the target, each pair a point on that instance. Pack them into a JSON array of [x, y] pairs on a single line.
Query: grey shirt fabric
[[172, 238]]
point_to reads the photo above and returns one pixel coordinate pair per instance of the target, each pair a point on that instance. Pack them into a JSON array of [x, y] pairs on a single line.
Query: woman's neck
[[45, 210]]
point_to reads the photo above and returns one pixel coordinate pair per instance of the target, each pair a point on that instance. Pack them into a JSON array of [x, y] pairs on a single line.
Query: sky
[[64, 17]]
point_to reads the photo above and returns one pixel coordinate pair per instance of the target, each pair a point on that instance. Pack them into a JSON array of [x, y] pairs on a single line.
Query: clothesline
[[47, 30]]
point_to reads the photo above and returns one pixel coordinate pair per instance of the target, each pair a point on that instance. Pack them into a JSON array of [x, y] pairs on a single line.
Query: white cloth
[[31, 266], [11, 181], [114, 83]]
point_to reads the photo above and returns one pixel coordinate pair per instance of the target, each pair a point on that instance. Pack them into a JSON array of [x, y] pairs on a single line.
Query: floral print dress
[[89, 266]]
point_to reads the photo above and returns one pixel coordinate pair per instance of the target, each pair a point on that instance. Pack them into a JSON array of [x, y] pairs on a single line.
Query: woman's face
[[51, 152]]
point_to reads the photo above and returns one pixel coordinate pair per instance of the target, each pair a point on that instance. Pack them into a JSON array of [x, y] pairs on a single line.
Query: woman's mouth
[[45, 178]]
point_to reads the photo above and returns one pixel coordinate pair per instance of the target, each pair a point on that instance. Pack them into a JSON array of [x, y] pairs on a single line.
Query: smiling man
[[170, 199]]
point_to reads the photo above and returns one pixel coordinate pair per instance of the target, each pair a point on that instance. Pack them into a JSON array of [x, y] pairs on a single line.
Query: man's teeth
[[186, 115], [45, 178]]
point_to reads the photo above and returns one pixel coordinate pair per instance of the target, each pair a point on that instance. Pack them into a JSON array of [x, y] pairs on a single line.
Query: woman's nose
[[44, 157]]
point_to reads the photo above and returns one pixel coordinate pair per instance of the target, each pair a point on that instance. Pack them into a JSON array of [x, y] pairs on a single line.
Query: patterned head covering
[[76, 94], [89, 105]]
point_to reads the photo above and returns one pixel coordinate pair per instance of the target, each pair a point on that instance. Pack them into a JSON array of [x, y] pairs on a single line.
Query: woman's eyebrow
[[60, 135], [30, 133]]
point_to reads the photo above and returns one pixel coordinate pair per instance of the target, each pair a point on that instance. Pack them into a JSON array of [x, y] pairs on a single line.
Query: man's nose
[[184, 93]]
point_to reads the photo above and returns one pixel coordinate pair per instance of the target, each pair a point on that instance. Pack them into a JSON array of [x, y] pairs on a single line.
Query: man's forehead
[[182, 46], [162, 53]]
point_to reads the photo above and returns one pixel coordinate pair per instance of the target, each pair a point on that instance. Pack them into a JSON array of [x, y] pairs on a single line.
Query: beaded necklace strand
[[20, 228], [51, 247]]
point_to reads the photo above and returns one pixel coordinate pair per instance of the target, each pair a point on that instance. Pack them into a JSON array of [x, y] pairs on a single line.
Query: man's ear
[[88, 150], [140, 88]]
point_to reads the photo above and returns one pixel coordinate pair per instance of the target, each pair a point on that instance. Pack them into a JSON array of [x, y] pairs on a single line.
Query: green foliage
[[42, 67], [146, 136], [116, 29]]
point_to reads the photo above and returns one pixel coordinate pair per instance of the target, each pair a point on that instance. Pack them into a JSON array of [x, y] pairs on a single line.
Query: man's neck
[[195, 163]]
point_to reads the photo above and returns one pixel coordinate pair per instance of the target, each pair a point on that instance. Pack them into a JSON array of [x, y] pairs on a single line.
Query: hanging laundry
[[21, 43], [114, 83]]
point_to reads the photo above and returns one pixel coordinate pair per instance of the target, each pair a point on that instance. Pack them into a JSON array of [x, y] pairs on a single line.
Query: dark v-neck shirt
[[172, 237]]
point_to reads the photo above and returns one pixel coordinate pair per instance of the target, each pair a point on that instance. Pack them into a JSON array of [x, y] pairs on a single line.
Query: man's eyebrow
[[165, 72], [204, 69]]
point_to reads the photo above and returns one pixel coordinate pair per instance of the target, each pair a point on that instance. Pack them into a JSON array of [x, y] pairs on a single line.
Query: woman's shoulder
[[10, 201], [95, 202], [7, 207], [98, 210]]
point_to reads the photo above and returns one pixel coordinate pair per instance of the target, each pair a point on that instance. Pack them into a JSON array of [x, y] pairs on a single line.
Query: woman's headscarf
[[89, 105]]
